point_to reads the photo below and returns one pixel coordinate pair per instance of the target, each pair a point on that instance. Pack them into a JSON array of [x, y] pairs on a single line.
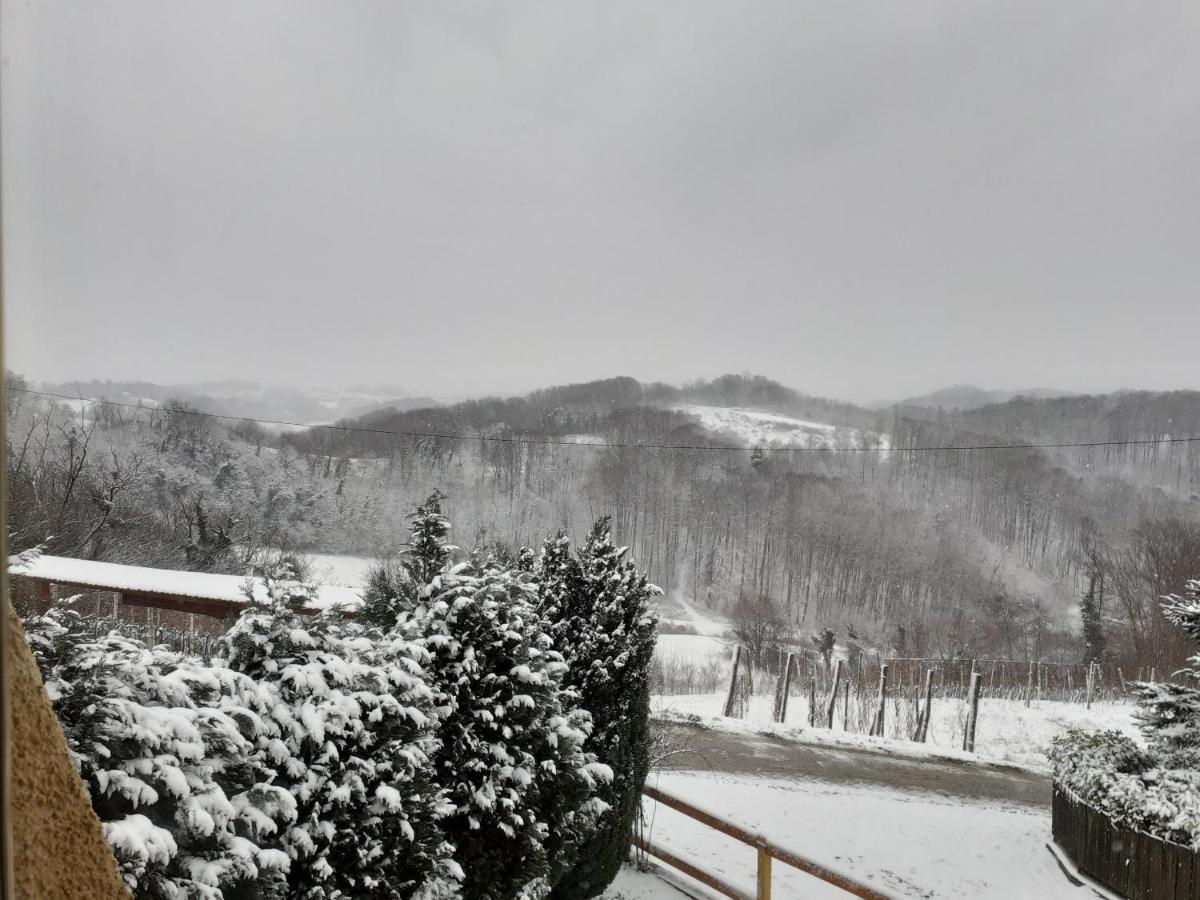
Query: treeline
[[965, 551]]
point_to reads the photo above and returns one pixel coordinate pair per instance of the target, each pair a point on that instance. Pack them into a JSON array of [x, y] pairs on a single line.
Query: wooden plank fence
[[1129, 862], [767, 851]]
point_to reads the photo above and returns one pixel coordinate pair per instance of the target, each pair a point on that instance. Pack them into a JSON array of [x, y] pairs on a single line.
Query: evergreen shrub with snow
[[298, 765], [166, 747], [597, 606], [1155, 789], [512, 762], [352, 735], [438, 746]]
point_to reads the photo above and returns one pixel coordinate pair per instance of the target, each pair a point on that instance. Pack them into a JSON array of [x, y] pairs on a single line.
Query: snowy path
[[914, 827], [756, 754], [908, 843]]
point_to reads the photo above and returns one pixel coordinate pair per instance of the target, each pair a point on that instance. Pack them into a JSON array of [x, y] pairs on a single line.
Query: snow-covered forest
[[946, 553]]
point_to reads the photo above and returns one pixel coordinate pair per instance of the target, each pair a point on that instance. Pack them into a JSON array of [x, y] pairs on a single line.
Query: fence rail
[[1131, 863], [767, 851]]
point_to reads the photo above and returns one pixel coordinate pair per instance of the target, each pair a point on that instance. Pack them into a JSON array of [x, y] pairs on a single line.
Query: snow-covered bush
[[511, 761], [1131, 786], [1170, 713], [166, 748], [597, 606], [1155, 789], [351, 740]]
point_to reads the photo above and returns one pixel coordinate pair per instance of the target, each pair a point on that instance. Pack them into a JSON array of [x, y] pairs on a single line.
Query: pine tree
[[597, 606], [429, 548], [388, 587], [1170, 713], [1090, 609], [392, 588], [511, 759], [352, 738]]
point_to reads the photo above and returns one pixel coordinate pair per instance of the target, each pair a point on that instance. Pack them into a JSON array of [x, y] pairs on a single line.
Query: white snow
[[907, 844], [340, 569], [764, 429], [1006, 732]]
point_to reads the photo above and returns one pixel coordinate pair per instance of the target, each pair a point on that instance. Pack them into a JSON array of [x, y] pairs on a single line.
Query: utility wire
[[604, 444]]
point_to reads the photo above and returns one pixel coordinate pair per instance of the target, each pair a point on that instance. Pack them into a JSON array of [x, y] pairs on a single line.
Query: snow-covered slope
[[764, 429]]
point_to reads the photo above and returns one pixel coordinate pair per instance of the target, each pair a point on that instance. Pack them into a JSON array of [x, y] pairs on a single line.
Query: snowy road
[[753, 754], [915, 828]]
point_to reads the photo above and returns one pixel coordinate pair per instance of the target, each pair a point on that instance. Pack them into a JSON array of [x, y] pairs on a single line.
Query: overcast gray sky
[[862, 200]]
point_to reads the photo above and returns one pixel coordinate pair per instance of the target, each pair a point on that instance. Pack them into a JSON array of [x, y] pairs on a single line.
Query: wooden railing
[[767, 851], [1128, 862]]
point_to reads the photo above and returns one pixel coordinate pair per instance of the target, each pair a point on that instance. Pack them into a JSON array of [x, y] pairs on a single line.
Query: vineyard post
[[833, 692], [783, 691], [973, 714], [729, 701], [880, 713], [928, 709]]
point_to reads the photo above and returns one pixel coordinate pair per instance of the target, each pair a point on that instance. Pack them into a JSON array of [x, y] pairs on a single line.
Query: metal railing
[[767, 852]]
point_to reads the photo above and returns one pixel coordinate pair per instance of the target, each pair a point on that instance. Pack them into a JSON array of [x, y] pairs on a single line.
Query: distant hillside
[[250, 399], [731, 408], [968, 396], [880, 527]]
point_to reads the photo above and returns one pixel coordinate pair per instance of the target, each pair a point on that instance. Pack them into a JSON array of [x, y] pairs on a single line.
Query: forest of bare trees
[[949, 552]]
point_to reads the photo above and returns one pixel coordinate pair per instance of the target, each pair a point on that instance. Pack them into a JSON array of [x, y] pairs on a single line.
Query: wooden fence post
[[833, 692], [1121, 675], [812, 702], [1029, 686], [880, 713], [733, 685], [927, 711], [1091, 683], [784, 688], [846, 705], [973, 713], [764, 874]]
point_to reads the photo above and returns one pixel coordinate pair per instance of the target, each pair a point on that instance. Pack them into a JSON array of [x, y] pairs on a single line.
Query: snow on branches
[[1156, 789], [165, 746], [511, 760], [438, 747], [597, 608]]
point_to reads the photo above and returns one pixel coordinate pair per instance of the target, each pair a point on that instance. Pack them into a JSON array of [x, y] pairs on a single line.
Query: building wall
[[58, 847]]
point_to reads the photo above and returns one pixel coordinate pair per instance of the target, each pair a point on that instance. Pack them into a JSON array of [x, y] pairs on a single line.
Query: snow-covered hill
[[754, 428]]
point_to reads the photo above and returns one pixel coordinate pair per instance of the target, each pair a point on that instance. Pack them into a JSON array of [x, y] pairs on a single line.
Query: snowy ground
[[906, 843], [340, 569], [1006, 732], [763, 429]]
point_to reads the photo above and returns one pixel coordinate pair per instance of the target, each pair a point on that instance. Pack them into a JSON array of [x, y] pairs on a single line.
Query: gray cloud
[[859, 199]]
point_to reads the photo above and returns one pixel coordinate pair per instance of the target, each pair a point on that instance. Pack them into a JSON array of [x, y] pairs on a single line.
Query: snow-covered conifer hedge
[[1156, 788], [440, 746]]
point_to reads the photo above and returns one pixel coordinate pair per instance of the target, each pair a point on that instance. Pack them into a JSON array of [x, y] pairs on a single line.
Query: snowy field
[[1007, 731], [908, 844], [763, 429], [340, 569]]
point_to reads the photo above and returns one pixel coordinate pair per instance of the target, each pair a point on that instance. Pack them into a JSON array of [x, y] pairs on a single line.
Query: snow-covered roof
[[216, 590]]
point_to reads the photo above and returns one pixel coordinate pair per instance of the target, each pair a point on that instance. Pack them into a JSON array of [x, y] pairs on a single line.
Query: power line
[[605, 444]]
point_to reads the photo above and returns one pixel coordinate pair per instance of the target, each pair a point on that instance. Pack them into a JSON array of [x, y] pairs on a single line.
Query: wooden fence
[[1131, 863], [766, 850]]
